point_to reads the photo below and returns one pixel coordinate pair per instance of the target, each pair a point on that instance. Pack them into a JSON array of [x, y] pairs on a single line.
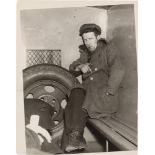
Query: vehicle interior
[[50, 36]]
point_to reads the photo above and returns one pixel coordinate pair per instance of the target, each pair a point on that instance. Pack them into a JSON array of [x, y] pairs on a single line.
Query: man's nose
[[88, 43]]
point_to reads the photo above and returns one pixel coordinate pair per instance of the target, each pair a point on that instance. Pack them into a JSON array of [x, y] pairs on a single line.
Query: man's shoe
[[76, 141]]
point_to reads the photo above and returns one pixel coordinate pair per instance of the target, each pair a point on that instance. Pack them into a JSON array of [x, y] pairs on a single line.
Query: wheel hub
[[54, 94]]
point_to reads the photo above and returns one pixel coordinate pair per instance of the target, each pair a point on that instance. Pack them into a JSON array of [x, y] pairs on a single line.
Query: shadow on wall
[[124, 39]]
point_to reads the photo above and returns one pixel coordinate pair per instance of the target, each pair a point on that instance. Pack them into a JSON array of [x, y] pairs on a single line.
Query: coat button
[[95, 69], [91, 78]]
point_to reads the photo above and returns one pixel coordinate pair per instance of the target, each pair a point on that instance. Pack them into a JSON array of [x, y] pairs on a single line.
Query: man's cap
[[89, 28]]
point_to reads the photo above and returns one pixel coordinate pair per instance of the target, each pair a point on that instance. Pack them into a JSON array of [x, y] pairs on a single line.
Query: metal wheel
[[51, 84]]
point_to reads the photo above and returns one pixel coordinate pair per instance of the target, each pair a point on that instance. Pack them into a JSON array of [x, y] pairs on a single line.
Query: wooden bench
[[116, 132]]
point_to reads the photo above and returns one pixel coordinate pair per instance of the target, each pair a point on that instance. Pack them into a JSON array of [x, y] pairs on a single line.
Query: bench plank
[[115, 138], [123, 130], [123, 123]]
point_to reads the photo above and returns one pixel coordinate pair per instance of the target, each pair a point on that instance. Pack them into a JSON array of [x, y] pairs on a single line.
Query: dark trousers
[[75, 117]]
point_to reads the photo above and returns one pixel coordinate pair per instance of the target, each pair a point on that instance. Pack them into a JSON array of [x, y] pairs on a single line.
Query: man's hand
[[84, 68]]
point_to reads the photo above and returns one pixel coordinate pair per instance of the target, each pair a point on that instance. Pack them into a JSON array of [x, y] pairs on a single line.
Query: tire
[[37, 77], [49, 72]]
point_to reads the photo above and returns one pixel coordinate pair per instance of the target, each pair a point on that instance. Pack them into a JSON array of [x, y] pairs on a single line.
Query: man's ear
[[98, 37]]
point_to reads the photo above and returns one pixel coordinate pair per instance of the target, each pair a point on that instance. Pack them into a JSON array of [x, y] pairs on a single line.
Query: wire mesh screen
[[35, 57]]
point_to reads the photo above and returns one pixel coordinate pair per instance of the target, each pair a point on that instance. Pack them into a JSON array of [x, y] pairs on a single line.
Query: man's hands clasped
[[84, 68]]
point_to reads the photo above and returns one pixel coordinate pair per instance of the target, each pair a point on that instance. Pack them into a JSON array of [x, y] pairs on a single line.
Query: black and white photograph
[[79, 77]]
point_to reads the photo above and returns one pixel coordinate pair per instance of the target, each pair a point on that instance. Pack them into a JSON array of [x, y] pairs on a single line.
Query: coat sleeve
[[82, 60], [73, 66], [116, 70]]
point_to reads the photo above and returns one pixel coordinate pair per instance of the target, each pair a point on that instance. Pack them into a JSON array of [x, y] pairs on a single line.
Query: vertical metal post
[[107, 146]]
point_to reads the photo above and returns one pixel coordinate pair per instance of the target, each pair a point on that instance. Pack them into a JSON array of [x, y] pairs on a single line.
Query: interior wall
[[58, 28], [121, 30]]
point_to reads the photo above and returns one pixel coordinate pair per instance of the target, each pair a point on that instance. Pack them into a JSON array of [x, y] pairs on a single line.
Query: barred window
[[41, 56]]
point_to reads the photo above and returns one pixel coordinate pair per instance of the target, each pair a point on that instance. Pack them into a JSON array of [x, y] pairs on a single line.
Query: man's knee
[[76, 97], [78, 92]]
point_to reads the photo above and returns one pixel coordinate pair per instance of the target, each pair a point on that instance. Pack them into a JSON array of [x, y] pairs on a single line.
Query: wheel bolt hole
[[63, 104], [54, 100], [29, 96], [42, 98], [49, 89]]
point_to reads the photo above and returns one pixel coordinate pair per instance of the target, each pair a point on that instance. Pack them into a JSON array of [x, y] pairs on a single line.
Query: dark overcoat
[[106, 76]]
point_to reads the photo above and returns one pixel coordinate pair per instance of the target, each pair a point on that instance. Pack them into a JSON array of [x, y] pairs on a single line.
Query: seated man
[[102, 74]]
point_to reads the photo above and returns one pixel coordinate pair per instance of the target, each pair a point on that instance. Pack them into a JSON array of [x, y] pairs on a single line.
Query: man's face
[[90, 40]]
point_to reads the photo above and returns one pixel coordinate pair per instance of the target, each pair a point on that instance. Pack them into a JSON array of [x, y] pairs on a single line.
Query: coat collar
[[101, 42]]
